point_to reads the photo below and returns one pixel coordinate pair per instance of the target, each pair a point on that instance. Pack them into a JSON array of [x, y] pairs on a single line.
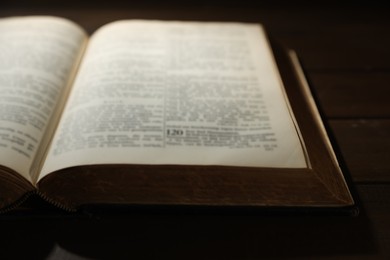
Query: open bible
[[159, 113]]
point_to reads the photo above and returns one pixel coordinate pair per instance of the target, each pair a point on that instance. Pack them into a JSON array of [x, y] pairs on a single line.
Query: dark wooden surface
[[345, 50]]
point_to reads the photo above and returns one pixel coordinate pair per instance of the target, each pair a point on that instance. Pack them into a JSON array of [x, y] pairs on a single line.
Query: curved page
[[37, 56], [181, 93]]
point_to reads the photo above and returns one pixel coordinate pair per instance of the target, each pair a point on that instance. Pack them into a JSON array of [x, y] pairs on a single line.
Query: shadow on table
[[186, 235], [218, 236]]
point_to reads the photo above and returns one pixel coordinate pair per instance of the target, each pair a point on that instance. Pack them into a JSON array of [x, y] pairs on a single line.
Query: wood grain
[[352, 94], [365, 146]]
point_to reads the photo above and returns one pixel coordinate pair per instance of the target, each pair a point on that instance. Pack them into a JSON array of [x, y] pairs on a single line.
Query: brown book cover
[[320, 185]]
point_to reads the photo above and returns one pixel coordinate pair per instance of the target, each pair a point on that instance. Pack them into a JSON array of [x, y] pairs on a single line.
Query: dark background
[[345, 50]]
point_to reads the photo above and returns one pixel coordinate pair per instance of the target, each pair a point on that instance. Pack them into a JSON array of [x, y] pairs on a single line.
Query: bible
[[159, 113]]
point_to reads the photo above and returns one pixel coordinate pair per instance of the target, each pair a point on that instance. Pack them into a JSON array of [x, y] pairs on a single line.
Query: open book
[[158, 113]]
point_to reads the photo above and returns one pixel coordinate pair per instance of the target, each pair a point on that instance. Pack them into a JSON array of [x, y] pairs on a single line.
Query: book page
[[37, 56], [180, 93]]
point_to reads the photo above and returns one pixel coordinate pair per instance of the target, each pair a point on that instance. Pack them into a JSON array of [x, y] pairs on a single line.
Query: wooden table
[[345, 51]]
